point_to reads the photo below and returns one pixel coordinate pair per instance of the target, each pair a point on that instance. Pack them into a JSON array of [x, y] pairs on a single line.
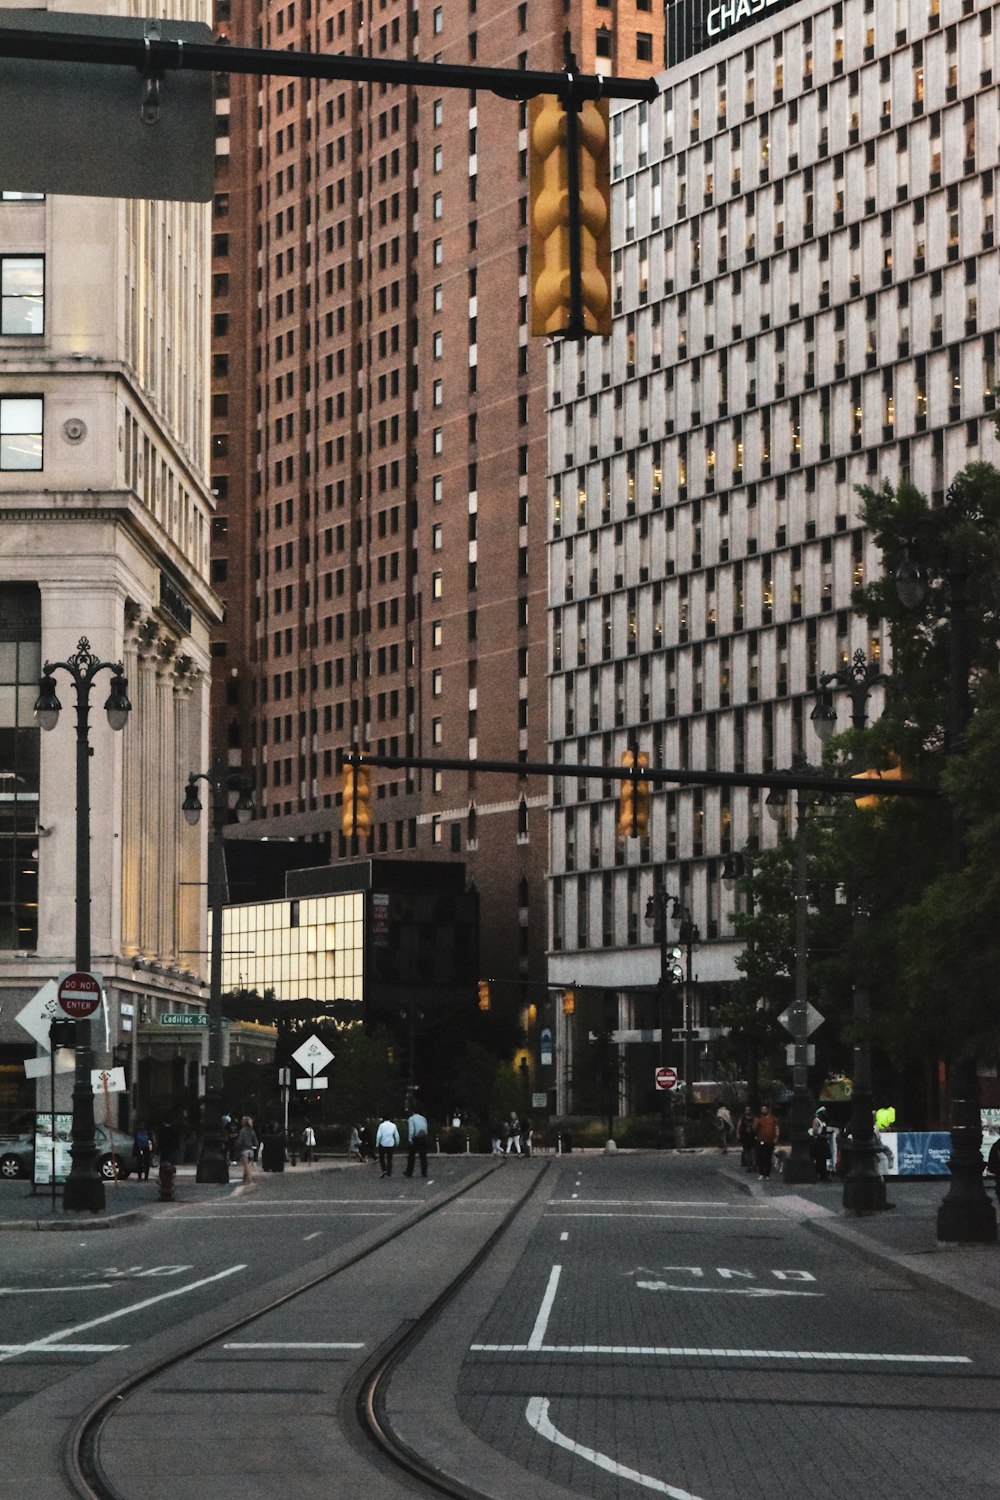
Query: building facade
[[806, 300], [379, 438], [105, 517]]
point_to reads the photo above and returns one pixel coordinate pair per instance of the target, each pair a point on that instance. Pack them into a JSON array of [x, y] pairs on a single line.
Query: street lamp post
[[670, 975], [213, 1165], [800, 1166], [84, 1189], [864, 1188], [966, 1214]]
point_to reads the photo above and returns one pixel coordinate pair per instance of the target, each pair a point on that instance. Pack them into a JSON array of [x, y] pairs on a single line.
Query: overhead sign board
[[78, 127], [694, 25]]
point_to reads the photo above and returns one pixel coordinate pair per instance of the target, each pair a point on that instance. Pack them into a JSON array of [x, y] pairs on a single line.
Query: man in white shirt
[[416, 1136], [386, 1141]]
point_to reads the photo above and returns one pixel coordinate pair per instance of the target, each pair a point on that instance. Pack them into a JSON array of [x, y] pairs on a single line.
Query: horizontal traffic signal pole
[[798, 780], [155, 58]]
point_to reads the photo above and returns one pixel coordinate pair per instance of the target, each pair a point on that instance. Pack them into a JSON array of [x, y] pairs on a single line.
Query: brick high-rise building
[[380, 436]]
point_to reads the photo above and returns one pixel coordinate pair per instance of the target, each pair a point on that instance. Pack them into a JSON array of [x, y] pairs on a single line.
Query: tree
[[924, 869]]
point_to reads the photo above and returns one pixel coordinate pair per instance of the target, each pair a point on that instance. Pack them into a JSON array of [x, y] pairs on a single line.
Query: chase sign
[[693, 25]]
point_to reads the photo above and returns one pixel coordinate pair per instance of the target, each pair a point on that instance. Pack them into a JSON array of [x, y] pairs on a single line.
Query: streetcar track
[[82, 1462]]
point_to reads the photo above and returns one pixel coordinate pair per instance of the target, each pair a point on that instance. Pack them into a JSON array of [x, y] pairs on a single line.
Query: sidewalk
[[131, 1201], [905, 1236]]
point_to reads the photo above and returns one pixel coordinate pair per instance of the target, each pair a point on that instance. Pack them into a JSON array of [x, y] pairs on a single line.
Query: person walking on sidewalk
[[724, 1128], [308, 1142], [246, 1147], [819, 1144], [416, 1137], [142, 1150], [746, 1140], [765, 1134], [386, 1141]]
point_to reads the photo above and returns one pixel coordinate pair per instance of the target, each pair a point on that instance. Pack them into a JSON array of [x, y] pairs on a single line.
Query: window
[[20, 432], [20, 667], [12, 197], [644, 46], [22, 289]]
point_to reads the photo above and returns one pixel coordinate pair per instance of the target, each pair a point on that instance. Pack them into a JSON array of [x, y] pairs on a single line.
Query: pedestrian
[[765, 1134], [246, 1147], [819, 1144], [308, 1142], [504, 1136], [142, 1150], [367, 1149], [354, 1144], [724, 1128], [386, 1141], [746, 1139], [514, 1133], [169, 1142], [526, 1135], [496, 1147], [416, 1137]]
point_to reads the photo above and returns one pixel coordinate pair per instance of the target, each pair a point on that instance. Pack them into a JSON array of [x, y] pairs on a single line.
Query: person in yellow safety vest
[[885, 1118]]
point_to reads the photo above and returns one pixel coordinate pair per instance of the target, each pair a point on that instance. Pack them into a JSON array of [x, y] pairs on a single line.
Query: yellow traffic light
[[641, 806], [893, 773], [554, 308], [355, 789], [484, 994], [569, 1002], [633, 798]]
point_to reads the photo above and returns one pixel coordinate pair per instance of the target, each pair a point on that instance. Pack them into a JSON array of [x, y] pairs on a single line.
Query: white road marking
[[541, 1322], [683, 1352], [739, 1208], [314, 1236], [731, 1291], [40, 1345], [537, 1413], [564, 1235], [293, 1346], [701, 1218], [61, 1348], [34, 1291]]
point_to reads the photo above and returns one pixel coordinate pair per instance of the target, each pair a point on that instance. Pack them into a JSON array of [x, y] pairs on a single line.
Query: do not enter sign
[[666, 1078], [79, 994]]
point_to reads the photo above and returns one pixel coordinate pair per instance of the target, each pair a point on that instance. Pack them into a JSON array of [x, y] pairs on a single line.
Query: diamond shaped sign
[[812, 1020], [313, 1056]]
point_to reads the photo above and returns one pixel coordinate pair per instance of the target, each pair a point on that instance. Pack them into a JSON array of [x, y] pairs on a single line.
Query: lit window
[[437, 635], [20, 432], [437, 731], [437, 585], [437, 205], [22, 295], [437, 533], [437, 682]]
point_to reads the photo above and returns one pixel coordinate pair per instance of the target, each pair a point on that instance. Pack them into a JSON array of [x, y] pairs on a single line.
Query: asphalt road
[[665, 1332], [645, 1327]]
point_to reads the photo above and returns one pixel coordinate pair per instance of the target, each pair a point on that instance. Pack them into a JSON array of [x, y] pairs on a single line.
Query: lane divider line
[[293, 1346], [40, 1345], [537, 1338], [681, 1351]]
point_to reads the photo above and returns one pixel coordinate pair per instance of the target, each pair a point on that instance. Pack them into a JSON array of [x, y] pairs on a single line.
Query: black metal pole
[[667, 1132], [213, 1165], [966, 1215], [800, 1166], [84, 1190]]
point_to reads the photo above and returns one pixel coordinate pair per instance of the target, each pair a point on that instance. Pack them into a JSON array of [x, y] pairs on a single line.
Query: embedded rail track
[[360, 1410]]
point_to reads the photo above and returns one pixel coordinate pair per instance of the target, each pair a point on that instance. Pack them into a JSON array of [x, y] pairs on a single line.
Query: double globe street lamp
[[84, 1189], [213, 1166]]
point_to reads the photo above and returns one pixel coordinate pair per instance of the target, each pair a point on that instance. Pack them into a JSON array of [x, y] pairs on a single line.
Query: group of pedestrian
[[511, 1137], [758, 1134], [387, 1142]]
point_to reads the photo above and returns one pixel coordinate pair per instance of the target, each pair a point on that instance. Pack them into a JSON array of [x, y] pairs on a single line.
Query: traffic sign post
[[79, 994], [666, 1078]]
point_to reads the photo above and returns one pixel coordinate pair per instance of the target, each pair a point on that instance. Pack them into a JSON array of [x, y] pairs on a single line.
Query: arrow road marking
[[732, 1291], [537, 1413]]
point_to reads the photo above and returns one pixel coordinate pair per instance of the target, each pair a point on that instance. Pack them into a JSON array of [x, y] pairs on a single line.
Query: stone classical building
[[105, 515]]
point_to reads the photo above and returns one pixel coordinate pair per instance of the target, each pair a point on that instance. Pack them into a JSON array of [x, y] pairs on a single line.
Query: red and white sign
[[79, 994], [666, 1078]]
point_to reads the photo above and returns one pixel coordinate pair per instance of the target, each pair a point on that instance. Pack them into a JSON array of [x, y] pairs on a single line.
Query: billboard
[[694, 25]]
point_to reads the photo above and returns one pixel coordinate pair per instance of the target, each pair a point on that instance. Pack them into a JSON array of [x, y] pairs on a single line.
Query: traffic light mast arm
[[656, 776], [157, 58]]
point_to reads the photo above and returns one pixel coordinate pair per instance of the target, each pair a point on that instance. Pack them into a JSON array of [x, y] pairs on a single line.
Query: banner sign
[[694, 25]]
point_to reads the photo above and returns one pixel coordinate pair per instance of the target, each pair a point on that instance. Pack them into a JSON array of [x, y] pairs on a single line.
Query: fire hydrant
[[167, 1173]]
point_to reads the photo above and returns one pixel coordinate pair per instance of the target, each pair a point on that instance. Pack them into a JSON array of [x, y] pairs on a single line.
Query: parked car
[[17, 1154]]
